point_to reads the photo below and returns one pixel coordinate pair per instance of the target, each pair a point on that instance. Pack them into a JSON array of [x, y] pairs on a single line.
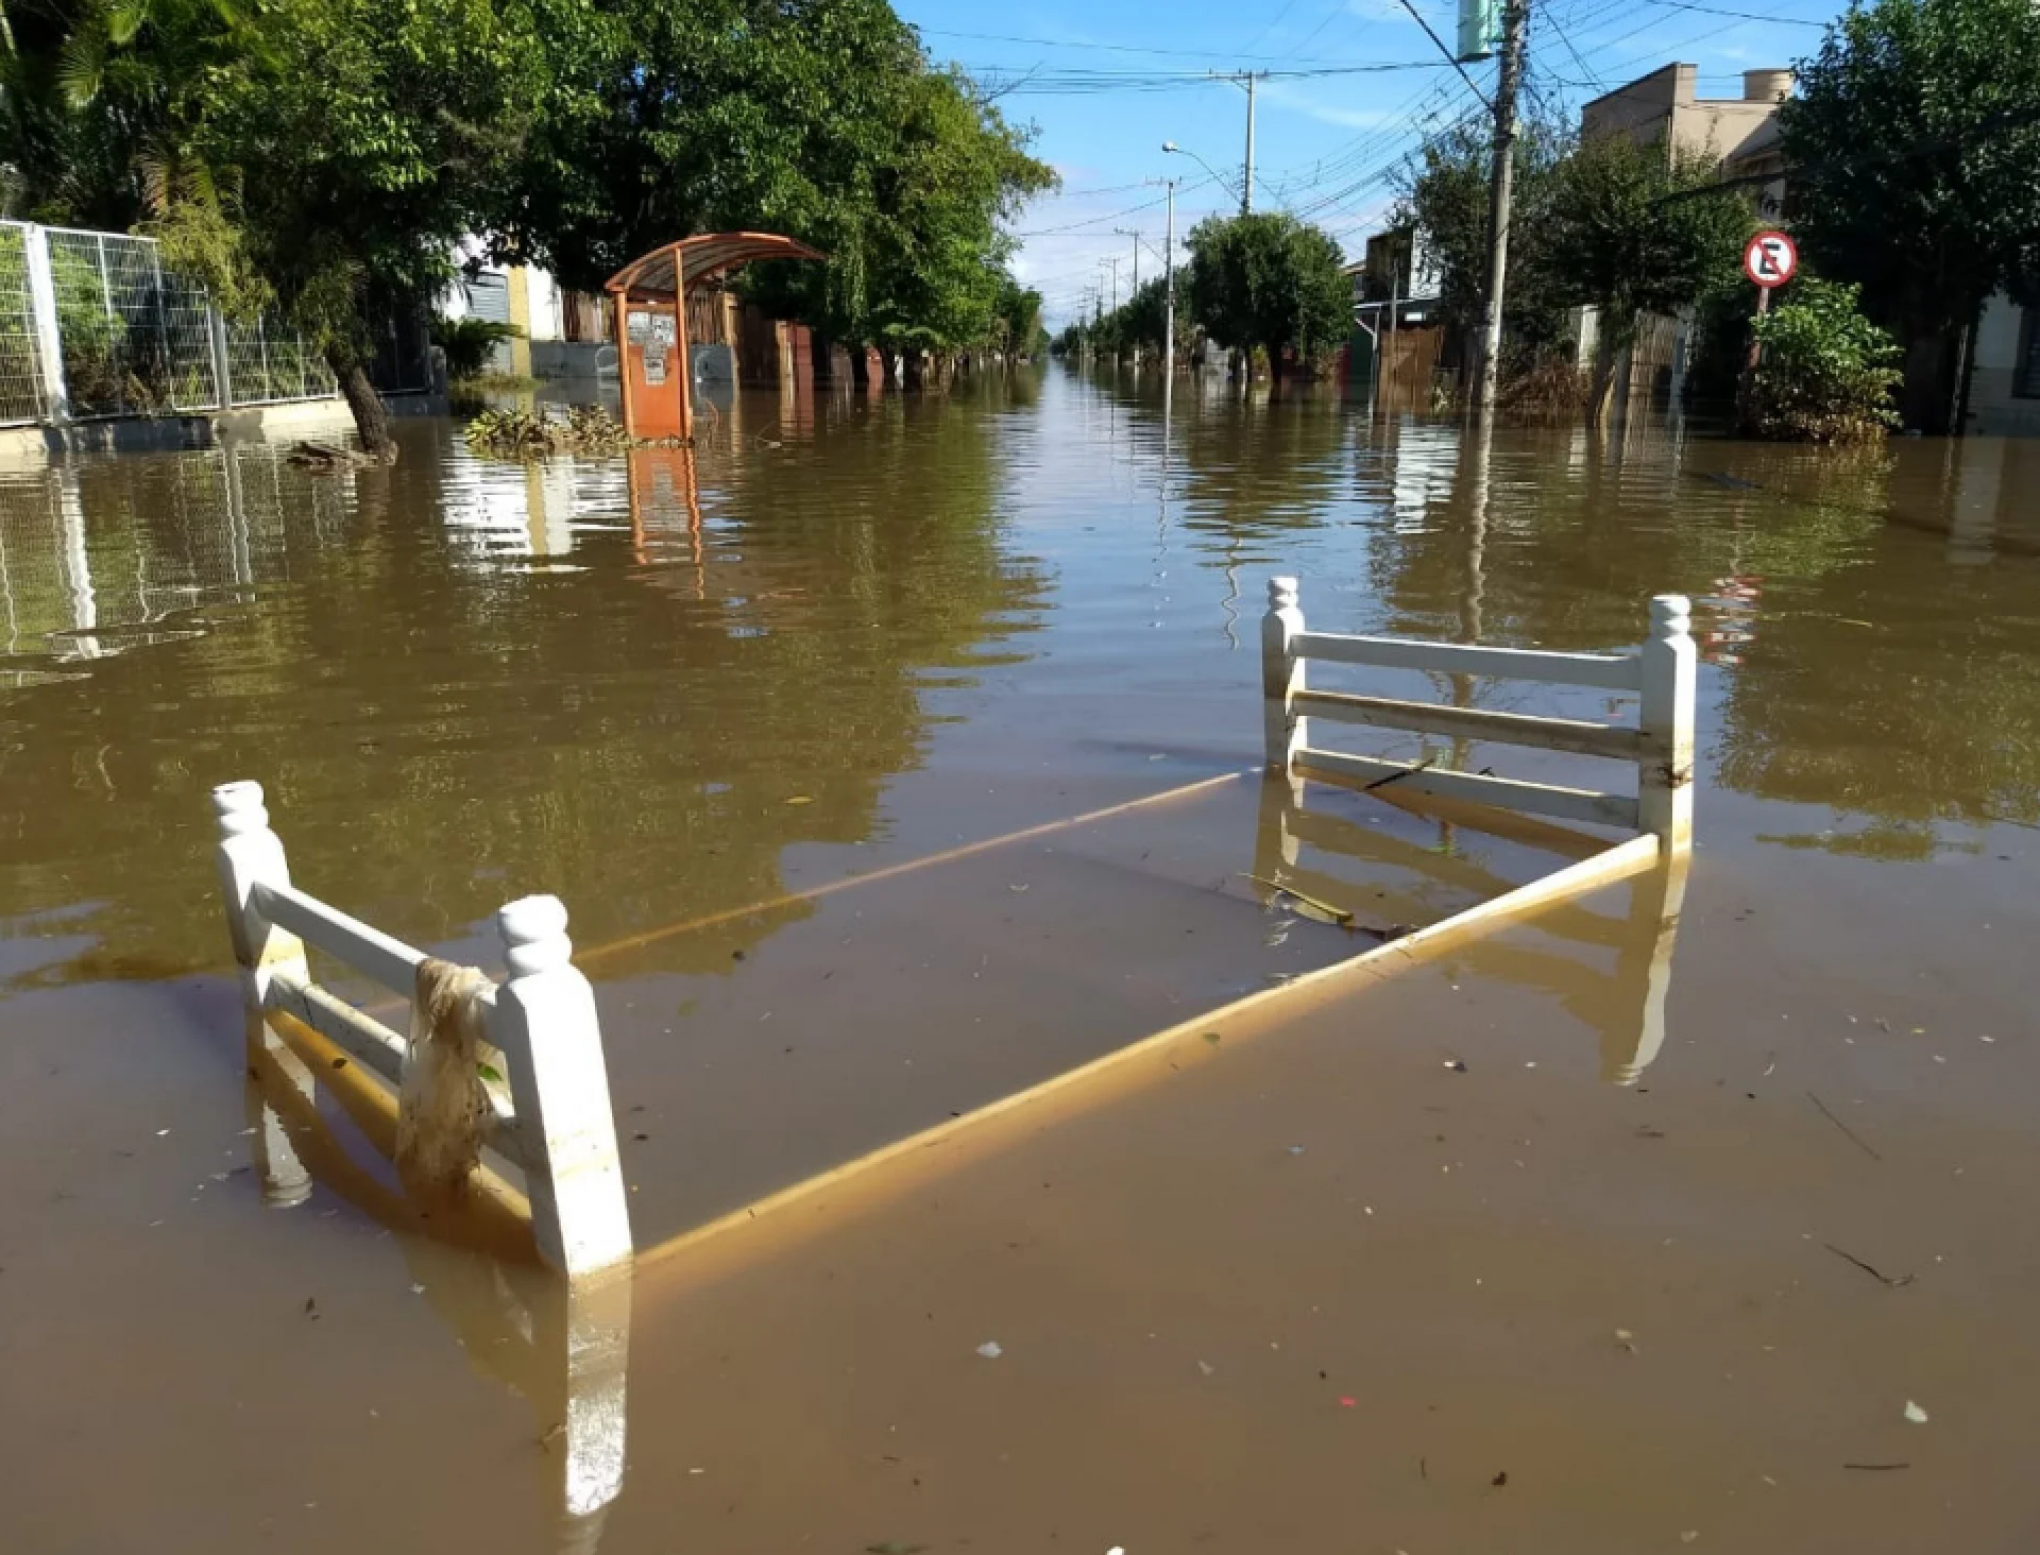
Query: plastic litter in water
[[1914, 1413], [990, 1350]]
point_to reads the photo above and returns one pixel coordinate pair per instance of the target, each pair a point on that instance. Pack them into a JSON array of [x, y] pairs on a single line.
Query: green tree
[[1268, 280], [1443, 198], [1016, 322], [1827, 372], [323, 156], [1913, 140], [93, 93], [821, 119], [1630, 229]]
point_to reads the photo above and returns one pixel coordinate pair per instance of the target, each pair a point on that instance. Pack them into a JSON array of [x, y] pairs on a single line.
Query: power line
[[1449, 55], [1745, 16], [1280, 17], [1080, 82], [1121, 48]]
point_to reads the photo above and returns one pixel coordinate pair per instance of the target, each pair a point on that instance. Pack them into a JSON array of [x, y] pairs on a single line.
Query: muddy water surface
[[1305, 1286]]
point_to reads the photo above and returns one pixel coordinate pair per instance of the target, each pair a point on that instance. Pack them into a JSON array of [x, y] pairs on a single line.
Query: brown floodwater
[[1637, 1225]]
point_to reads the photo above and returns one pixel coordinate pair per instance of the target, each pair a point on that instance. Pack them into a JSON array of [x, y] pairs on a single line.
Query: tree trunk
[[915, 365], [860, 365], [822, 357], [371, 419], [1607, 345], [889, 362]]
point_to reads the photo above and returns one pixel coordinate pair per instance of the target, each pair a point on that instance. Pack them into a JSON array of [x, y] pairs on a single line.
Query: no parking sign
[[1770, 259]]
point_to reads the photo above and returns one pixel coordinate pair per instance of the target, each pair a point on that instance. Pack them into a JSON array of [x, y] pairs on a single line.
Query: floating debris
[[990, 1350], [1914, 1413]]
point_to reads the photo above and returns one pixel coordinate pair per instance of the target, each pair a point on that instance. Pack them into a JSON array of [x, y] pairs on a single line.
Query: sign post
[[1770, 259]]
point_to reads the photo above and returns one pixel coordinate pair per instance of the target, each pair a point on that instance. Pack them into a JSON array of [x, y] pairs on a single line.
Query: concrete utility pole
[[1128, 232], [1169, 287], [1515, 25], [1114, 263], [1247, 79]]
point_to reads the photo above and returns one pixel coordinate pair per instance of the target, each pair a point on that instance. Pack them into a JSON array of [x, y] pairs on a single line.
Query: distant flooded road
[[683, 689]]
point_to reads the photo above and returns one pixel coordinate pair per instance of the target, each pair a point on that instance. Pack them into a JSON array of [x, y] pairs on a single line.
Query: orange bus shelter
[[652, 362]]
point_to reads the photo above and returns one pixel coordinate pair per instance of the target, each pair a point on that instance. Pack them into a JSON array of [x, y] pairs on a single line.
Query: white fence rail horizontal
[[556, 1122], [1660, 747]]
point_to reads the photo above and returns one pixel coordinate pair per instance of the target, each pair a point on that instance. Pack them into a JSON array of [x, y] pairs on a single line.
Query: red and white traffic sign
[[1771, 259]]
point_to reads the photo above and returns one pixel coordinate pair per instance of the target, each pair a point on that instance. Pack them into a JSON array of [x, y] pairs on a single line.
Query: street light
[[1185, 151]]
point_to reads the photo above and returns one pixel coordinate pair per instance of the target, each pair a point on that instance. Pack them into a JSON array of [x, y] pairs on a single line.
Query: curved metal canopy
[[668, 271]]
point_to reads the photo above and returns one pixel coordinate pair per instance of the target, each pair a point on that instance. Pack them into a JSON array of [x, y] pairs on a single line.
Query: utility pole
[[1128, 232], [1515, 25], [1114, 263], [1169, 288], [1246, 78], [1247, 188]]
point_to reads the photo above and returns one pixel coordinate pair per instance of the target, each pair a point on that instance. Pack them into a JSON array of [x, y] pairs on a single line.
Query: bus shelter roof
[[669, 271]]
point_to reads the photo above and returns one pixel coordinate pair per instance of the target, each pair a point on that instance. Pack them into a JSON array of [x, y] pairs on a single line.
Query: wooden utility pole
[[1515, 26]]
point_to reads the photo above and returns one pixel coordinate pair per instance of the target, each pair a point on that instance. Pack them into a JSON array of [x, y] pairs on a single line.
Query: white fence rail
[[92, 324], [555, 1123], [1660, 747]]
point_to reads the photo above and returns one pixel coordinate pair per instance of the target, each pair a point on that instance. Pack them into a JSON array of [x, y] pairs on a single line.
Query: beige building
[[1741, 133]]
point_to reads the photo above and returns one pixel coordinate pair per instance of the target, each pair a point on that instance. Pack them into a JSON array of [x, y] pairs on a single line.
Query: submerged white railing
[[551, 1116], [1660, 747]]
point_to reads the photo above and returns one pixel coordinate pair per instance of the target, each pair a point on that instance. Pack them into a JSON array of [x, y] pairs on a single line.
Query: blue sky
[[1107, 81]]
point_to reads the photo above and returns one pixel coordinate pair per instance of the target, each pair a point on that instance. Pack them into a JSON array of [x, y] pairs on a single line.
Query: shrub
[[469, 342], [1827, 372]]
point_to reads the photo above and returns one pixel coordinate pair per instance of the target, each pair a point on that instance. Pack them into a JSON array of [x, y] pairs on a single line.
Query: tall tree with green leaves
[[1442, 196], [820, 119], [1912, 144], [321, 157], [1630, 229], [95, 92], [1271, 281]]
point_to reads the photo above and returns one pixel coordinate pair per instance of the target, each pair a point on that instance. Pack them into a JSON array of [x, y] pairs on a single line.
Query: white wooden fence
[[1660, 747], [555, 1122]]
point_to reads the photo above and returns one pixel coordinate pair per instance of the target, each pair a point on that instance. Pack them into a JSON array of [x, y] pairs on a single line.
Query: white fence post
[[216, 343], [1670, 676], [545, 1024], [250, 852], [48, 342], [1281, 672]]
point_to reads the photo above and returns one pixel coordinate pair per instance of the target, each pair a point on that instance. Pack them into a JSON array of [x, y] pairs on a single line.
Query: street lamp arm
[[1184, 151]]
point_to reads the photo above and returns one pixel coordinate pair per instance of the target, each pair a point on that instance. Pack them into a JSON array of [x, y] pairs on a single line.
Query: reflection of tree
[[437, 738], [1871, 698], [1850, 690], [1579, 532]]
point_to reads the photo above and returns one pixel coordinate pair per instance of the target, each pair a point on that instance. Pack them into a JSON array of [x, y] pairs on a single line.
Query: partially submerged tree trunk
[[915, 366], [371, 417], [889, 362], [1609, 344], [860, 365]]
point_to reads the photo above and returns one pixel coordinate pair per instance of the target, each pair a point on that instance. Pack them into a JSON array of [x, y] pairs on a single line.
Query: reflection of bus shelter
[[651, 322]]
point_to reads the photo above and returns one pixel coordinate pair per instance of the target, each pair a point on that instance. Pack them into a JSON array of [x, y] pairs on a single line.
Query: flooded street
[[1634, 1226]]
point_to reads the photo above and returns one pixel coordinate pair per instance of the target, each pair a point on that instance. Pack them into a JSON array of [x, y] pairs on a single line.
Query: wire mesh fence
[[268, 361], [134, 337], [21, 390], [137, 340]]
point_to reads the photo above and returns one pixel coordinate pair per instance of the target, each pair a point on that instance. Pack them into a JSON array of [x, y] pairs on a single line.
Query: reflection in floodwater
[[1626, 1004], [567, 674], [563, 1345]]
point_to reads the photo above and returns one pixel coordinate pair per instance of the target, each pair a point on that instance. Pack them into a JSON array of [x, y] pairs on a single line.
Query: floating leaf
[[801, 799]]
